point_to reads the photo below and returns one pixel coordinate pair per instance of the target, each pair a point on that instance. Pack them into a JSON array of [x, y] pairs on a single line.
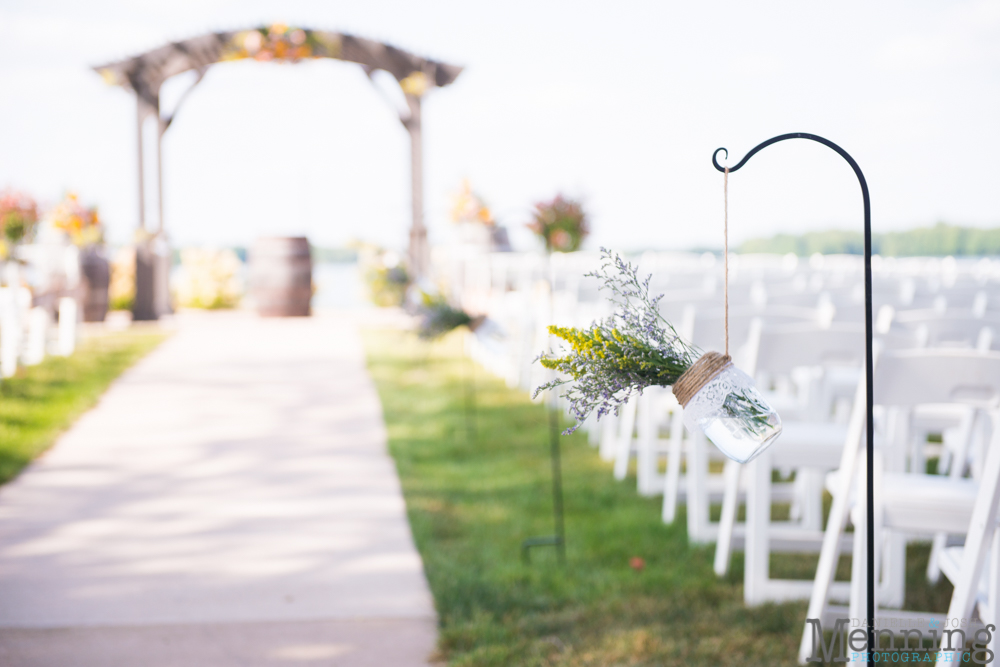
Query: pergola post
[[152, 255], [140, 117], [143, 306], [418, 232]]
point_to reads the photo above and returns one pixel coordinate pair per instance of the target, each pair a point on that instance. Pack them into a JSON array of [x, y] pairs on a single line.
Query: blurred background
[[619, 106]]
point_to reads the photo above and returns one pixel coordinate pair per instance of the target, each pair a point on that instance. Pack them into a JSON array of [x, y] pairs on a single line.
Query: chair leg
[[671, 484], [609, 429], [859, 558], [727, 522], [933, 563], [623, 446], [757, 547], [811, 498], [623, 455], [699, 527], [646, 451]]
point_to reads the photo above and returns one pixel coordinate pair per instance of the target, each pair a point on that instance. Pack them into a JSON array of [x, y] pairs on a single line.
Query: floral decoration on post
[[277, 42], [18, 220], [560, 223], [81, 224], [635, 348], [467, 207]]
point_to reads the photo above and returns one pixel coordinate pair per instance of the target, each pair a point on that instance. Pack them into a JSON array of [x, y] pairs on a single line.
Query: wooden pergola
[[145, 74]]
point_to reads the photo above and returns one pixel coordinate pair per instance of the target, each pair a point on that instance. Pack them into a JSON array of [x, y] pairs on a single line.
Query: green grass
[[42, 401], [471, 501]]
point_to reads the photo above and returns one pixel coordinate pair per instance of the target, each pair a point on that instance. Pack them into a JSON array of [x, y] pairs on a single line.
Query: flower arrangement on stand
[[467, 207], [635, 348], [561, 224], [438, 317], [81, 224], [18, 221], [475, 221]]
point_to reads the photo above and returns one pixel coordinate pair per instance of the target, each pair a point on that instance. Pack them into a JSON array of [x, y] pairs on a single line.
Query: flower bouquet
[[81, 224], [560, 223], [18, 220], [277, 42], [635, 348]]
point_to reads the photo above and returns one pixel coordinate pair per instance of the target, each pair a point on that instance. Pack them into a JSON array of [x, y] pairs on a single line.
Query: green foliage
[[121, 301], [41, 401], [437, 317], [940, 240], [472, 499]]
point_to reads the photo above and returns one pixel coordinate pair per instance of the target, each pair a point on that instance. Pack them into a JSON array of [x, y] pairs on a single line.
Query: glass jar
[[733, 415]]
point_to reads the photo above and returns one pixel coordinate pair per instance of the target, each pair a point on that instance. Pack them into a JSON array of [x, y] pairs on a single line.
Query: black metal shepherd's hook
[[869, 362]]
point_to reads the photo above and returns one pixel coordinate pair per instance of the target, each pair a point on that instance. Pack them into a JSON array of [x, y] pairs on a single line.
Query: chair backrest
[[708, 330], [906, 378], [779, 349]]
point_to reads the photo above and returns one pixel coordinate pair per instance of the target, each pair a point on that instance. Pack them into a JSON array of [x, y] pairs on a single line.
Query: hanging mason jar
[[721, 400]]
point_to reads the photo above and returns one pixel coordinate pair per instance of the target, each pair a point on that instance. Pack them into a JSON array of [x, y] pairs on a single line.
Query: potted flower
[[561, 224], [82, 226]]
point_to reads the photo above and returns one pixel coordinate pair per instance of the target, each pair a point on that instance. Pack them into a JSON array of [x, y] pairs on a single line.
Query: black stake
[[869, 361], [559, 539], [552, 404], [471, 430]]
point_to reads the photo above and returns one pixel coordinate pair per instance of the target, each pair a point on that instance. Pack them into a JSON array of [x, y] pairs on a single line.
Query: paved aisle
[[229, 502]]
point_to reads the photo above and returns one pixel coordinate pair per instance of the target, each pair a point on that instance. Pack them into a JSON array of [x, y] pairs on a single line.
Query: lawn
[[475, 488], [42, 401]]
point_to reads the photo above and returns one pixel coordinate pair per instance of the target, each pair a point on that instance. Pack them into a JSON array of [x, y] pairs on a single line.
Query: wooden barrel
[[281, 276], [96, 272]]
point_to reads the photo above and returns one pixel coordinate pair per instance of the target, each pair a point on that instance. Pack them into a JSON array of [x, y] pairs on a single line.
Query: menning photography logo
[[944, 642]]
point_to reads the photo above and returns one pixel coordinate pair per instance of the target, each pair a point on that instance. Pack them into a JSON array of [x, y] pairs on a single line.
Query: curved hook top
[[715, 162], [793, 135]]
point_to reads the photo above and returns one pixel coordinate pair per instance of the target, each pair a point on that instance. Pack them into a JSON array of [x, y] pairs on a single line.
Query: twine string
[[725, 252], [710, 364], [701, 373]]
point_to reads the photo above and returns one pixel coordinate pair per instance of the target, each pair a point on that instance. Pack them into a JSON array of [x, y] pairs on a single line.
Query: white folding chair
[[906, 502]]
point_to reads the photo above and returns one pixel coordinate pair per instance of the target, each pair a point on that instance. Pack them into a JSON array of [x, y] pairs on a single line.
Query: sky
[[619, 104]]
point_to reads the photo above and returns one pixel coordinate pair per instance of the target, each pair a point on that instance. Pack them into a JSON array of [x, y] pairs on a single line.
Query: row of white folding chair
[[26, 332], [907, 502], [948, 328], [818, 445]]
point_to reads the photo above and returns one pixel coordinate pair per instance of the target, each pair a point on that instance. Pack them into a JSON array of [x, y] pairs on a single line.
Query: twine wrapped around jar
[[699, 374]]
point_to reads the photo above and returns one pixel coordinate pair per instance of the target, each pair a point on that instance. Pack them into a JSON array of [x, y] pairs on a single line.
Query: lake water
[[338, 286]]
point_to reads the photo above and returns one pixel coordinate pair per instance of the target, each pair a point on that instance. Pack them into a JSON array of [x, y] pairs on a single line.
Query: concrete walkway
[[230, 501]]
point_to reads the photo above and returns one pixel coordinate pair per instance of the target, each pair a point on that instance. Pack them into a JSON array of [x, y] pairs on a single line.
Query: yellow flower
[[415, 84]]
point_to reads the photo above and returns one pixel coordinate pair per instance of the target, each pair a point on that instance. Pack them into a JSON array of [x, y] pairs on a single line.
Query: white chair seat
[[921, 503], [928, 503]]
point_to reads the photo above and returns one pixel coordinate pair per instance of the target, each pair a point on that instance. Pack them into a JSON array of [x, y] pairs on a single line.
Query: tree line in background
[[940, 240]]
